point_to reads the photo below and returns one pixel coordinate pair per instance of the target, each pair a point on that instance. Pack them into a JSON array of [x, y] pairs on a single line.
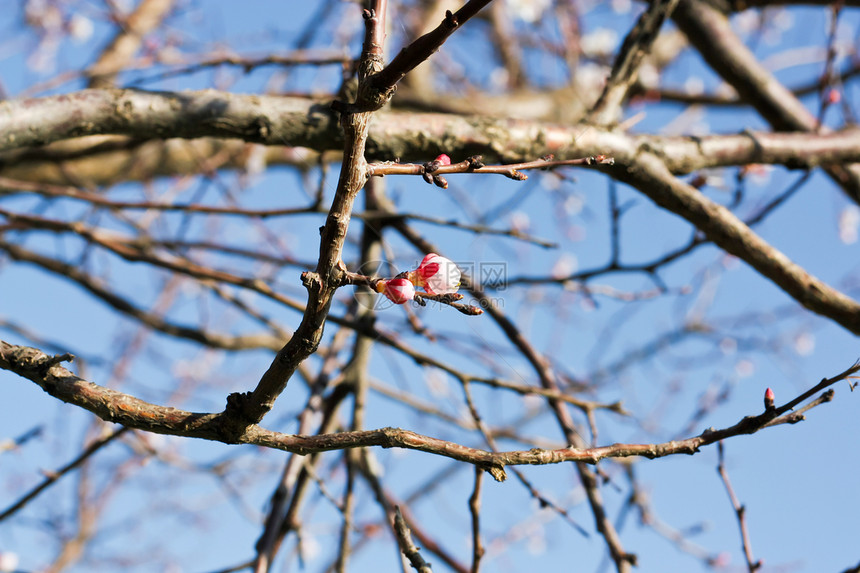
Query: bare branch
[[636, 46], [709, 30], [146, 17], [740, 513], [54, 476], [421, 49], [404, 539], [300, 122], [121, 408], [648, 174], [475, 510]]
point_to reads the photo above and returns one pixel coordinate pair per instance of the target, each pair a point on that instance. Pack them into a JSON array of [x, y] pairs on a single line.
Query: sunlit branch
[[710, 31], [114, 406], [648, 173], [409, 136]]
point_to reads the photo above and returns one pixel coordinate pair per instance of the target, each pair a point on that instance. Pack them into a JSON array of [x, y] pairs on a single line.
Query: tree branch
[[146, 17], [709, 30], [113, 406], [300, 122], [637, 44], [647, 173]]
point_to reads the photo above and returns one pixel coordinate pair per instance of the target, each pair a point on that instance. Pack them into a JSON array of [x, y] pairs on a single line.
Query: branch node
[[51, 361], [600, 160], [450, 19], [498, 473], [475, 162], [341, 107]]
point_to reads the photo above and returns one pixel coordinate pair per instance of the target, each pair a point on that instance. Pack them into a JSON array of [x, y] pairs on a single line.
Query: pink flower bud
[[437, 275], [768, 399], [443, 159], [398, 291]]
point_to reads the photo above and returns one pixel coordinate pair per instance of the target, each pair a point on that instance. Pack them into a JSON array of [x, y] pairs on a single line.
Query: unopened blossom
[[437, 275], [398, 291], [768, 399], [443, 159], [431, 167]]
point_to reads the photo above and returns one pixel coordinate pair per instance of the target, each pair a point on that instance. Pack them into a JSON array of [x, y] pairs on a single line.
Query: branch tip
[[51, 361], [498, 473]]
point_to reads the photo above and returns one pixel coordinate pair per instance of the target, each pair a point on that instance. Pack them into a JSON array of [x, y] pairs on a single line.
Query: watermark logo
[[486, 274], [493, 275]]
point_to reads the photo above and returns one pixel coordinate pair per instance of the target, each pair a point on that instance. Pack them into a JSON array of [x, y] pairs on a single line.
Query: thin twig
[[637, 44], [511, 170], [54, 476], [404, 539], [423, 47], [475, 510], [740, 512]]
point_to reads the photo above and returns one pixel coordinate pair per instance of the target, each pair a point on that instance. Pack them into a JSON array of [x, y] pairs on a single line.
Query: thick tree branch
[[647, 173], [709, 30], [157, 115], [301, 122], [113, 406], [321, 285], [105, 160]]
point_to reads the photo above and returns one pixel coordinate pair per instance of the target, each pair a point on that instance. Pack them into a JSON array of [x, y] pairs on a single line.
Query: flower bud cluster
[[436, 275]]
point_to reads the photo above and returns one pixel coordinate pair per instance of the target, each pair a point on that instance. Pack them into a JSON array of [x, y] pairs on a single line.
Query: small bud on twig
[[398, 291], [431, 166], [475, 162], [768, 399], [440, 160]]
